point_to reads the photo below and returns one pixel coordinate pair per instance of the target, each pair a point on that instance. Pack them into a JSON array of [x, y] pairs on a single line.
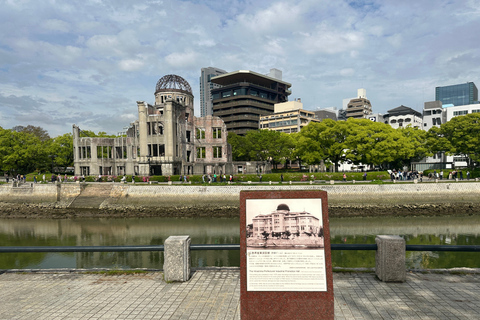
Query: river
[[449, 230]]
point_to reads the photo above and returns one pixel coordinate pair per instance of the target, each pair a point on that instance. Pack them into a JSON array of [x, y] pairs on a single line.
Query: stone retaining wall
[[189, 195]]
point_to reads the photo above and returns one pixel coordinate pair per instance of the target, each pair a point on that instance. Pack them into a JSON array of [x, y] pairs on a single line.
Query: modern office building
[[359, 107], [457, 94], [402, 117], [244, 96], [206, 86], [376, 117], [288, 117], [326, 113], [433, 115]]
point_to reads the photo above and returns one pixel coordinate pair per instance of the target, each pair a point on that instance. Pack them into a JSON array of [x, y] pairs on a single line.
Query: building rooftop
[[247, 76]]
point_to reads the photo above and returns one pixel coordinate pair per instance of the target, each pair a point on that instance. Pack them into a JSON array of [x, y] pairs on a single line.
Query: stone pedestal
[[390, 258], [177, 258]]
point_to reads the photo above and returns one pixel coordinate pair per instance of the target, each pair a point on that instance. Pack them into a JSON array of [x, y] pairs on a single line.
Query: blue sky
[[88, 62]]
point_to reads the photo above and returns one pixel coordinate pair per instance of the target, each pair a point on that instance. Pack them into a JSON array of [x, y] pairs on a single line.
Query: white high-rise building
[[206, 86]]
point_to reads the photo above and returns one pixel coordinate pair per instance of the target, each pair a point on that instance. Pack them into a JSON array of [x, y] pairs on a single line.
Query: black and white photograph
[[284, 223]]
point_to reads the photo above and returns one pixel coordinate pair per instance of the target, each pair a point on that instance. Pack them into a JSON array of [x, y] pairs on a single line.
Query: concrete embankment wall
[[191, 196]]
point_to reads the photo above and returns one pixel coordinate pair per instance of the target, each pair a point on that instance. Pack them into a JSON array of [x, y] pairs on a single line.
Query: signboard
[[285, 255]]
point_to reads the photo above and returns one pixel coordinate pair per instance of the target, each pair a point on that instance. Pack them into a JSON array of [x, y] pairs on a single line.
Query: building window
[[460, 113], [200, 133], [217, 152], [226, 94], [217, 133], [476, 111], [201, 152]]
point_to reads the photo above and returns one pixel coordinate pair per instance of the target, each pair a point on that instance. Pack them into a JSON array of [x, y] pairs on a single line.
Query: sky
[[87, 62]]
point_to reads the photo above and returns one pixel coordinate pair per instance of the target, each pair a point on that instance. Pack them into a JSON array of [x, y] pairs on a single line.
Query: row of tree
[[360, 141], [30, 149]]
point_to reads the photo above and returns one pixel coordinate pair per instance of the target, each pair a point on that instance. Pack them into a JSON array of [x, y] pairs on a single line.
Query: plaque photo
[[285, 245]]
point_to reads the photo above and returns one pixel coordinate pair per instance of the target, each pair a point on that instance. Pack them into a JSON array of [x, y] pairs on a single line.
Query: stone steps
[[92, 196]]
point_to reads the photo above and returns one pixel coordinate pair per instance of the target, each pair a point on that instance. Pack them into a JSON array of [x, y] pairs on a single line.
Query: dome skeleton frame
[[173, 83]]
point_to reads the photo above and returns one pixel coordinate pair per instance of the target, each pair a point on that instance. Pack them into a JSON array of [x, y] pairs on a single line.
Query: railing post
[[177, 258], [390, 258]]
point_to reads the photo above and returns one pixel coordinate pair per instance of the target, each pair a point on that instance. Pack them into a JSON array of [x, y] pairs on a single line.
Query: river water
[[154, 231]]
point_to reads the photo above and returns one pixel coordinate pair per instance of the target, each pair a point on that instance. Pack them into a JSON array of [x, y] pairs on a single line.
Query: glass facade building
[[457, 94]]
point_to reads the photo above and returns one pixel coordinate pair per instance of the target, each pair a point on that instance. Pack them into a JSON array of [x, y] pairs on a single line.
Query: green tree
[[41, 133], [459, 136], [61, 148], [239, 150], [21, 152]]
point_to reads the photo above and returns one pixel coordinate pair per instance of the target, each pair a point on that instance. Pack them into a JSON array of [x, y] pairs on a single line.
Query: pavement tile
[[215, 294]]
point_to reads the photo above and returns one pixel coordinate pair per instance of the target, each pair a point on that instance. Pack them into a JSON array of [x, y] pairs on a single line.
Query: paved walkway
[[214, 294]]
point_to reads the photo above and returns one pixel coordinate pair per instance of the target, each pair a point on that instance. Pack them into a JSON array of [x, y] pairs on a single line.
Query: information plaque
[[285, 258]]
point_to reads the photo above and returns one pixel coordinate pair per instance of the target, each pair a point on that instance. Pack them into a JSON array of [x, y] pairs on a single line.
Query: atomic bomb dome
[[173, 83]]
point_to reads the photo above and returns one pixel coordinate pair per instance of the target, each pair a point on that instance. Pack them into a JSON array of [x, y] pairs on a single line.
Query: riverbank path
[[215, 294]]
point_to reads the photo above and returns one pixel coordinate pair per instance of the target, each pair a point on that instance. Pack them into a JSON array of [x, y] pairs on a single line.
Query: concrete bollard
[[415, 181], [311, 182], [177, 258], [269, 182], [169, 183], [290, 182], [332, 181], [353, 181], [390, 258]]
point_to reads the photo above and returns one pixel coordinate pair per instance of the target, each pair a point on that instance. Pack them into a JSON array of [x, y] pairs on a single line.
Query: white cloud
[[182, 59], [110, 53], [56, 25], [131, 65]]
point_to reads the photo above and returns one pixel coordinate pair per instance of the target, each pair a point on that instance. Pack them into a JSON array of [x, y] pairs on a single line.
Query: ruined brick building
[[167, 139]]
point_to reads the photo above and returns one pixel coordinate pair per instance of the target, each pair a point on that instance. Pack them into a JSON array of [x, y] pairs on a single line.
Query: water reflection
[[113, 232], [154, 231]]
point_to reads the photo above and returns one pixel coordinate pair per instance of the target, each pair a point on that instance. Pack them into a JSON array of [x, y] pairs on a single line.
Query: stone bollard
[[390, 258], [415, 181], [353, 181], [311, 182], [177, 258], [169, 183], [269, 182], [332, 181], [290, 182], [456, 179]]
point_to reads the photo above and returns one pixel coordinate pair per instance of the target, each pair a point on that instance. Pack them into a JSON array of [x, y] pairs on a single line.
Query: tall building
[[358, 107], [244, 96], [288, 117], [206, 86], [457, 94]]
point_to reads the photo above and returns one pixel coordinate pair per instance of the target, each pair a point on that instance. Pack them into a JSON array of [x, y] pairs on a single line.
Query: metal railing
[[199, 247]]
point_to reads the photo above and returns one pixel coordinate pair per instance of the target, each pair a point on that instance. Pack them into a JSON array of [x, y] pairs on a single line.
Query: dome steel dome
[[283, 206], [173, 83]]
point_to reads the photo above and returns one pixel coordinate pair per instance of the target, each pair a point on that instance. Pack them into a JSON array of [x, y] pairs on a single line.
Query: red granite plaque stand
[[285, 304]]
